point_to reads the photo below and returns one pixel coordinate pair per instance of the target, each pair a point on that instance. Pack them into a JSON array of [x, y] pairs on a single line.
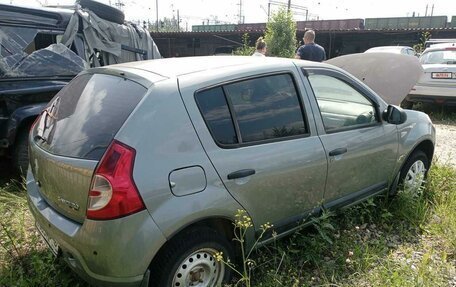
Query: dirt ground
[[445, 149]]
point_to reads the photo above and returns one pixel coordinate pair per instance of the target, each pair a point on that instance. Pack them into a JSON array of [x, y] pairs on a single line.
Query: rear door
[[361, 148], [259, 136]]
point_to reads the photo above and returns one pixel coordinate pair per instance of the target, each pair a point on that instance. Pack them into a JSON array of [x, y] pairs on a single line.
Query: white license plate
[[53, 245], [442, 75]]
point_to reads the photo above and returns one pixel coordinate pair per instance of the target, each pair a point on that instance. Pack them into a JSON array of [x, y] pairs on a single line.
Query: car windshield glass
[[439, 57], [84, 117], [27, 52]]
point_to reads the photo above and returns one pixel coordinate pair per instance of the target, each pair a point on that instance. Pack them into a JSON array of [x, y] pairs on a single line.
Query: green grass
[[407, 241], [24, 257], [439, 114]]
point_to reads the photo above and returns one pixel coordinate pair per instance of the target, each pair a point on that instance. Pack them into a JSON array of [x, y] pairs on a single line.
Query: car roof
[[35, 16], [441, 46], [175, 67], [390, 49]]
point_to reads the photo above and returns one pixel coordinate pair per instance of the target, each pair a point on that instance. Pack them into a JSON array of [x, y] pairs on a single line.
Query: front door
[[361, 148]]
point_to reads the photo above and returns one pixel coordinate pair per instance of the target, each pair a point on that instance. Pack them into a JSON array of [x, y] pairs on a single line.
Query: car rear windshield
[[83, 118], [439, 57]]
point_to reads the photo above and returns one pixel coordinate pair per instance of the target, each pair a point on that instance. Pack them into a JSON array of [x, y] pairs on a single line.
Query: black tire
[[104, 11], [20, 152], [416, 157], [407, 104], [184, 249]]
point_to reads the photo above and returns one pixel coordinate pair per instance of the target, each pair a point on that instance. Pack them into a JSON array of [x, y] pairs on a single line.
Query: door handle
[[338, 151], [241, 173]]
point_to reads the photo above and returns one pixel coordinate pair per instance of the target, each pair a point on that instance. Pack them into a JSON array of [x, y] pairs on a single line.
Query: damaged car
[[42, 49], [137, 170]]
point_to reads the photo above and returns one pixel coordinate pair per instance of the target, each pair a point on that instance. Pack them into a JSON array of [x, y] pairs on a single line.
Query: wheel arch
[[22, 118], [222, 225], [426, 146]]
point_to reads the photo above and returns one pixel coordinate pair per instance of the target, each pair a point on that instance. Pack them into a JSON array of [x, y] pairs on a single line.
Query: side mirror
[[394, 115]]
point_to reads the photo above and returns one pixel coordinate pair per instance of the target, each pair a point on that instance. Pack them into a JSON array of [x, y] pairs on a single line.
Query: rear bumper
[[104, 253], [433, 94]]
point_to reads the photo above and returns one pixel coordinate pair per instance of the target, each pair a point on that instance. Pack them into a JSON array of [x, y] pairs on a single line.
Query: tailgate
[[73, 133], [63, 182]]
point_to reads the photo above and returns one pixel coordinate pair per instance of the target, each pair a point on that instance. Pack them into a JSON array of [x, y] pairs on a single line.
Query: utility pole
[[240, 12], [178, 21], [425, 13], [156, 8], [432, 10], [120, 5], [289, 5]]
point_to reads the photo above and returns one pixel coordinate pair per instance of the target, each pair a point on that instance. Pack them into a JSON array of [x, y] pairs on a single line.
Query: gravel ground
[[445, 150]]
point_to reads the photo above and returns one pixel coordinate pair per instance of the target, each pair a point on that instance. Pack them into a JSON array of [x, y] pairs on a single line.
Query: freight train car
[[343, 24], [214, 28], [406, 22], [330, 25]]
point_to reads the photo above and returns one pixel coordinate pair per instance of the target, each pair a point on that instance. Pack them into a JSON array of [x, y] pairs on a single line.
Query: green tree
[[419, 48], [245, 49], [281, 34], [165, 25]]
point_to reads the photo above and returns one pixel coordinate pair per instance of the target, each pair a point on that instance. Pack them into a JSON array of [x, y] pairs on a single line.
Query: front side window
[[253, 110], [341, 106]]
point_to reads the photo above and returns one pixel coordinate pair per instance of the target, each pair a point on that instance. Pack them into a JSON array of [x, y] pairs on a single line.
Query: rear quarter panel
[[165, 140]]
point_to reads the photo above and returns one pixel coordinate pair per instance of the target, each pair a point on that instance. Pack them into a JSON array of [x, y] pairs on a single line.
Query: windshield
[[85, 115], [439, 57], [29, 52]]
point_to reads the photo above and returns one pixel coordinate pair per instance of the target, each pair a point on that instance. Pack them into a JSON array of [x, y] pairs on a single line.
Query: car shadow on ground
[[7, 171]]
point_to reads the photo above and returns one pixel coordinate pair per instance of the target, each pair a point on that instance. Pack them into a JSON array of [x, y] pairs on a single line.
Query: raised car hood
[[391, 76]]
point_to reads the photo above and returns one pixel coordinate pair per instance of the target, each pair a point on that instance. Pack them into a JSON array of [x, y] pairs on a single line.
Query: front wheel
[[415, 170], [190, 260]]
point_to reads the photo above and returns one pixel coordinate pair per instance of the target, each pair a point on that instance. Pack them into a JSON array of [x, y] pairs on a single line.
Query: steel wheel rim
[[199, 269], [415, 175]]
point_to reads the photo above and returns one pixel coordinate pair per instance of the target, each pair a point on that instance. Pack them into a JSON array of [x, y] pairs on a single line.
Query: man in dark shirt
[[310, 50]]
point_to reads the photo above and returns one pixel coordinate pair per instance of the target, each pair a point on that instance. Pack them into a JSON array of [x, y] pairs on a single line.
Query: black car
[[42, 49]]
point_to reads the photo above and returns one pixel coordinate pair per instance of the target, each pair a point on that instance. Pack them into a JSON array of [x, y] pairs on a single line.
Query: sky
[[195, 12]]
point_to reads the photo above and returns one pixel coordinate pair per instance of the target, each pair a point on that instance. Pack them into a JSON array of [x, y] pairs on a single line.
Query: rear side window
[[84, 117], [253, 110], [214, 107]]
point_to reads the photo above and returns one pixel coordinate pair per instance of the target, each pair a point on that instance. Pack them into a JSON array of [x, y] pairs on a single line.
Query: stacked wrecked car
[[42, 49]]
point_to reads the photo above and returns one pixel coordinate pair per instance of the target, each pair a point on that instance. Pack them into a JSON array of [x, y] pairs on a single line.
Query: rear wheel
[[407, 104], [414, 172], [20, 152], [190, 260]]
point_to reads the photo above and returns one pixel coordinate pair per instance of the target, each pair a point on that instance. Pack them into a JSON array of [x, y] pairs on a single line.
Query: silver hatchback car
[[137, 170]]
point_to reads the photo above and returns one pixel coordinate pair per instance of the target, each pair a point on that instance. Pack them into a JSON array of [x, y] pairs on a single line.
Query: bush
[[281, 35], [245, 49]]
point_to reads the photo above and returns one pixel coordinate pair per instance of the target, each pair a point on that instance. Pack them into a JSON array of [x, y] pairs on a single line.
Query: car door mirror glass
[[394, 115]]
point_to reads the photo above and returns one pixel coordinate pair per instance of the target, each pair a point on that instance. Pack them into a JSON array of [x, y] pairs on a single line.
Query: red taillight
[[113, 192]]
